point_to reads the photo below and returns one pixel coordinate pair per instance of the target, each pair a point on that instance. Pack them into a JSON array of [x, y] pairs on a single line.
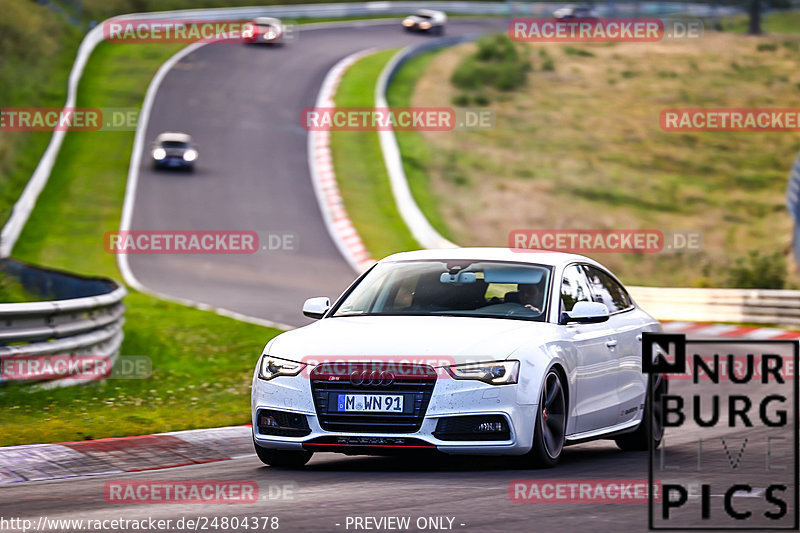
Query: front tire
[[640, 440], [282, 458], [551, 424]]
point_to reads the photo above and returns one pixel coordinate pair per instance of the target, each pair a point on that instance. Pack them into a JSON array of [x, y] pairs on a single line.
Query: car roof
[[429, 12], [174, 136], [542, 257], [266, 20]]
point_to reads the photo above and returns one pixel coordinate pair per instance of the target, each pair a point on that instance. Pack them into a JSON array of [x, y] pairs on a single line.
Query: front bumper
[[418, 28], [173, 162], [450, 398]]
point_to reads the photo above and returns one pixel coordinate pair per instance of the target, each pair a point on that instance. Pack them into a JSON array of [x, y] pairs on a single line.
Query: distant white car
[[466, 351], [426, 20], [264, 30], [174, 150], [575, 12]]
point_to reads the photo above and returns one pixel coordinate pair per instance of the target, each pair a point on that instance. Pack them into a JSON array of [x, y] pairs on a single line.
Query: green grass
[[780, 22], [202, 362], [360, 171], [12, 291], [581, 147], [202, 367], [36, 53]]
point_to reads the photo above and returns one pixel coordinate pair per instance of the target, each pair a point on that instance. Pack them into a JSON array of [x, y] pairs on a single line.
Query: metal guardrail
[[84, 317], [757, 306]]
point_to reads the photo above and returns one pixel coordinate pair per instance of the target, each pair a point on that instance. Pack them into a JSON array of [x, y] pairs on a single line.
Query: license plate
[[371, 403]]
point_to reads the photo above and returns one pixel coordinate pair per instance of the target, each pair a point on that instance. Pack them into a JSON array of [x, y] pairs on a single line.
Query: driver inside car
[[530, 296]]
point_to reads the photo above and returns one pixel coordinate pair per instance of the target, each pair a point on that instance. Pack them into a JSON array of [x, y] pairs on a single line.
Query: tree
[[755, 17]]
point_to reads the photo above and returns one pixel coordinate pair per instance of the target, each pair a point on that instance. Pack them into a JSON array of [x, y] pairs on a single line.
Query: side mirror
[[316, 307], [586, 313]]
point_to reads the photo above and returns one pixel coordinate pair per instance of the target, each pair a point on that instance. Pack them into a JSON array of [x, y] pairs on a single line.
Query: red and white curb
[[728, 331], [320, 162], [36, 462]]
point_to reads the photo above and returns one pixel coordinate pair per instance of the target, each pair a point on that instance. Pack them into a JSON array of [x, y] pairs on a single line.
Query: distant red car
[[264, 30]]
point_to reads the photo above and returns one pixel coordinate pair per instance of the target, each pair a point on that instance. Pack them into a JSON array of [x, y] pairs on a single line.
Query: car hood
[[460, 338]]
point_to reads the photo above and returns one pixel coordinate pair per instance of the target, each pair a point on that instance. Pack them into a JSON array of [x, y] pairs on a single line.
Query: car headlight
[[190, 155], [424, 25], [272, 367], [493, 372], [408, 23], [159, 154]]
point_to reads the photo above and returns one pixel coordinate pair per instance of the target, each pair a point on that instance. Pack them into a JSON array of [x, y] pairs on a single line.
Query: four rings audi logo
[[376, 378]]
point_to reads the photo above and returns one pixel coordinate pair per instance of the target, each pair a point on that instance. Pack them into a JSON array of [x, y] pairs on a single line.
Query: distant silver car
[[174, 150], [575, 12], [264, 30], [426, 20]]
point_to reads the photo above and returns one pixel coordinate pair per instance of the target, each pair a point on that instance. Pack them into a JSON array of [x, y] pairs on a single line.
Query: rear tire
[[282, 458], [551, 424], [640, 440]]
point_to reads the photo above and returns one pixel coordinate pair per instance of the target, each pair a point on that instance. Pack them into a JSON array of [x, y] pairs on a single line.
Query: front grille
[[414, 382]]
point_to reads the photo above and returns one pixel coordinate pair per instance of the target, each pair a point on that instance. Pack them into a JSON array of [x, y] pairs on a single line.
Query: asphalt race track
[[242, 104]]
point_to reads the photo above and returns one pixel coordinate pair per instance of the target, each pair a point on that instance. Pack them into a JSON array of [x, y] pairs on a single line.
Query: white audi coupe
[[488, 351]]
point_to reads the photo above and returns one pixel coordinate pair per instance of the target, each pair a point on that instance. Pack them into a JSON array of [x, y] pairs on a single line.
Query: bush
[[461, 100], [756, 271], [579, 52], [766, 47], [497, 63], [481, 99], [497, 47]]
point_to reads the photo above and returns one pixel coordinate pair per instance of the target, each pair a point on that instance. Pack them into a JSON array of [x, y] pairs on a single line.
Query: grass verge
[[360, 171], [417, 153], [581, 147], [36, 53], [202, 362]]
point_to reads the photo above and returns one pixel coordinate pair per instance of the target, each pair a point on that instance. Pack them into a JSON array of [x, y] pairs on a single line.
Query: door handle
[[611, 344], [639, 337]]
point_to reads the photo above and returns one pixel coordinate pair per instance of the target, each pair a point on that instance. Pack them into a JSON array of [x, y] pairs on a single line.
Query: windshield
[[174, 144], [464, 288]]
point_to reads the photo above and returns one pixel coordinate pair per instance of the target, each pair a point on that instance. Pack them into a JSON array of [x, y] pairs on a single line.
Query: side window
[[573, 288], [607, 291]]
